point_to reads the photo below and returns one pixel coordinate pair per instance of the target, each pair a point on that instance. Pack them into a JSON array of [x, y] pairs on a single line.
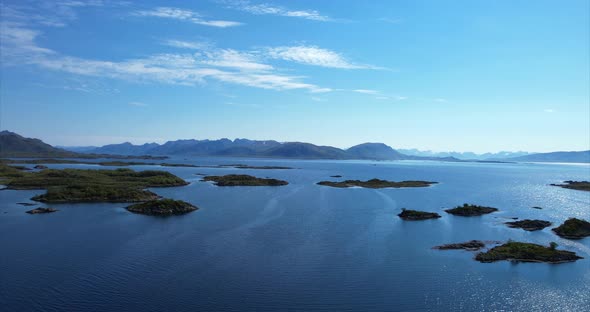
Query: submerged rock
[[41, 210]]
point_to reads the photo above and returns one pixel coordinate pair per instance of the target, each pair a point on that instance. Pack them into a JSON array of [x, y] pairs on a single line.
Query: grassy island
[[468, 210], [573, 229], [470, 245], [162, 207], [243, 180], [41, 210], [527, 252], [78, 185], [414, 215], [376, 183], [575, 185], [529, 225]]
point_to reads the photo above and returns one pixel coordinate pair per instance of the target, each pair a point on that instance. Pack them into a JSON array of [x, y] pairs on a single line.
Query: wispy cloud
[[549, 110], [192, 45], [138, 104], [389, 20], [312, 55], [185, 15], [441, 100], [228, 66], [365, 91], [269, 9]]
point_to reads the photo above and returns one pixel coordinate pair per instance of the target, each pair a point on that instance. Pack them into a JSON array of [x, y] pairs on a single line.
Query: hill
[[14, 145]]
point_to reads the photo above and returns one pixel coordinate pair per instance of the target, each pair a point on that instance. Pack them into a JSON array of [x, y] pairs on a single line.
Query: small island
[[81, 185], [527, 252], [529, 225], [471, 245], [41, 210], [162, 207], [40, 167], [414, 215], [336, 176], [575, 185], [376, 184], [243, 180], [468, 210], [573, 229]]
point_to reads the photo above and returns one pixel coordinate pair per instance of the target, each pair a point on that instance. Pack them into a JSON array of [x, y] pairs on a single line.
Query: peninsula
[[529, 225], [575, 185]]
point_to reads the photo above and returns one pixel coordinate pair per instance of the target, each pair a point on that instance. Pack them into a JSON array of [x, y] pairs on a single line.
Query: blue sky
[[477, 76]]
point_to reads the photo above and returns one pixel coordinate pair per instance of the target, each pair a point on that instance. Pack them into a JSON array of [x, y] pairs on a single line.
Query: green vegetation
[[573, 228], [575, 185], [243, 180], [163, 207], [41, 210], [529, 225], [527, 252], [468, 210], [470, 245], [413, 215], [77, 185], [376, 183]]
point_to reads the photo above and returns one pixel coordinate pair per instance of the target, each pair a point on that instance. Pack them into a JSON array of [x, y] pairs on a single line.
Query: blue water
[[300, 247]]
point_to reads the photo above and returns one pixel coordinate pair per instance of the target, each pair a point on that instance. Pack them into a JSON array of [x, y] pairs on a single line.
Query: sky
[[481, 76]]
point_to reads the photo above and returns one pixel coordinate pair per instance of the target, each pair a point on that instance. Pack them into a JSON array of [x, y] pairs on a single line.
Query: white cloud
[[312, 55], [228, 66], [269, 9], [193, 45], [365, 91], [234, 59], [185, 15], [138, 104], [549, 110]]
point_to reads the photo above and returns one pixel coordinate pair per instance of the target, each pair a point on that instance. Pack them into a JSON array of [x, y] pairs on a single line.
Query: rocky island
[[243, 180], [468, 210], [376, 183], [162, 207], [575, 185], [573, 229], [472, 245], [414, 215], [41, 210], [529, 225], [80, 185], [527, 252]]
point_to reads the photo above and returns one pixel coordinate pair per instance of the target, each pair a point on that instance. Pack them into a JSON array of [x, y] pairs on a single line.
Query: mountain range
[[14, 145]]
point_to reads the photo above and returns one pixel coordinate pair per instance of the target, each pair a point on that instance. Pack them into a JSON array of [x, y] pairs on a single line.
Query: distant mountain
[[374, 151], [569, 157], [305, 150], [463, 155], [77, 149], [14, 145], [123, 149]]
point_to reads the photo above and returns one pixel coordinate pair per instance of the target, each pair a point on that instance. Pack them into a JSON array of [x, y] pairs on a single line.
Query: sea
[[299, 247]]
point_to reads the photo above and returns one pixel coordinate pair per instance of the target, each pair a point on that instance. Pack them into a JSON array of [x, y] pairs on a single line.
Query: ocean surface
[[300, 247]]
